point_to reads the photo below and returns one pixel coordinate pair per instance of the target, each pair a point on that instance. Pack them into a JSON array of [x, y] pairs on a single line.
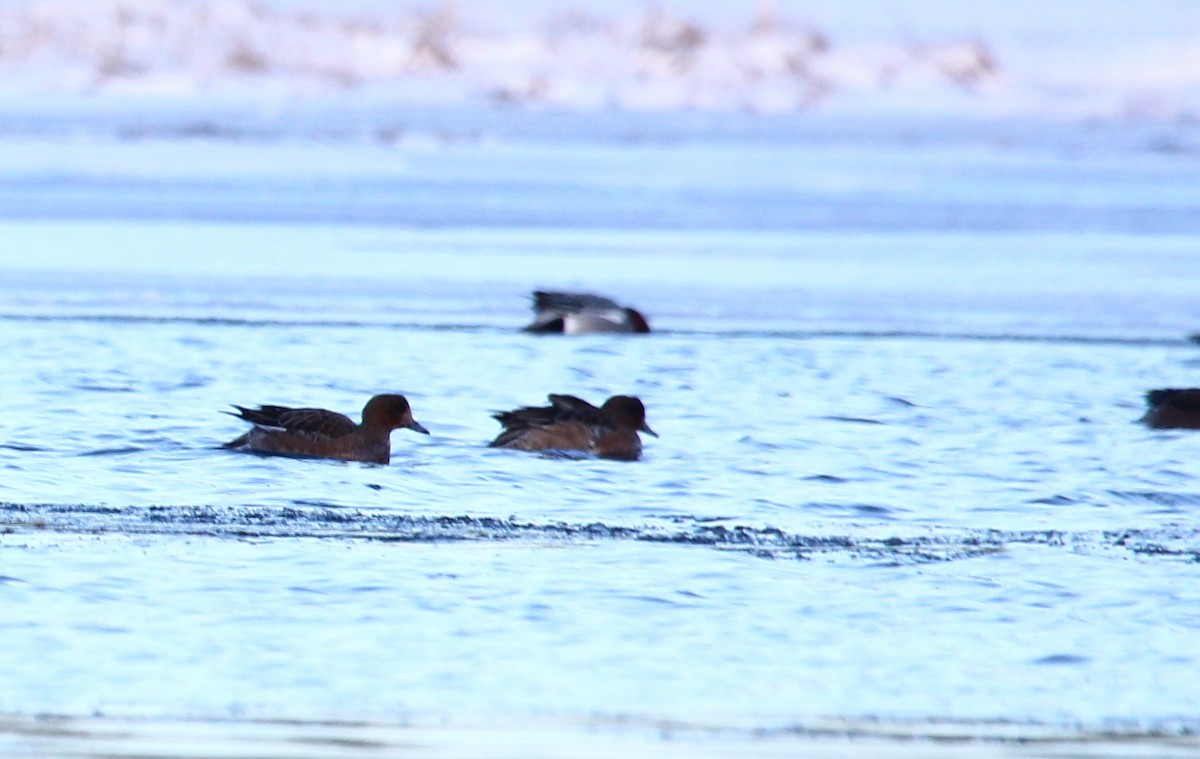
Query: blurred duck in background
[[582, 314]]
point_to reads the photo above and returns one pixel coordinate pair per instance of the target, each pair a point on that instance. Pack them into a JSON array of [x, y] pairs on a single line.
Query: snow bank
[[611, 57]]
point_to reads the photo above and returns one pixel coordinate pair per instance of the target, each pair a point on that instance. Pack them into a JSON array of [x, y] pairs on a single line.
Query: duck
[[1173, 408], [320, 433], [572, 424], [583, 313]]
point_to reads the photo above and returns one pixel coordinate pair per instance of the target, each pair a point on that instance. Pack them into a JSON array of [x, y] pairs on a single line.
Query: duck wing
[[1184, 399], [570, 303], [562, 408], [559, 312], [310, 421], [568, 408], [524, 418]]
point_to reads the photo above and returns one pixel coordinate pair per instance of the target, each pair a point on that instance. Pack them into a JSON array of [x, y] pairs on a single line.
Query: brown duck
[[326, 434], [573, 424], [1173, 408]]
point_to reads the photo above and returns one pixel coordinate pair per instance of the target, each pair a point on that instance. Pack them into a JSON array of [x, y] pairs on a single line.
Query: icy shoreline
[[764, 61]]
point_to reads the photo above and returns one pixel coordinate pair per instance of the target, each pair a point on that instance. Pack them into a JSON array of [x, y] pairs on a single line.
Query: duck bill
[[416, 426], [646, 428]]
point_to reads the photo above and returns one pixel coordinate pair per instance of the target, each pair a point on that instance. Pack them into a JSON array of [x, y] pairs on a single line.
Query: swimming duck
[[326, 434], [573, 424], [1173, 408], [582, 313]]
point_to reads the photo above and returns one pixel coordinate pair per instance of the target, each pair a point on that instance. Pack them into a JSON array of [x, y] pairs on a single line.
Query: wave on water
[[489, 327], [100, 735], [315, 520]]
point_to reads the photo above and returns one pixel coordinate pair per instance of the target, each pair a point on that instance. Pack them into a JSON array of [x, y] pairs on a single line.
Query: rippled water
[[898, 473]]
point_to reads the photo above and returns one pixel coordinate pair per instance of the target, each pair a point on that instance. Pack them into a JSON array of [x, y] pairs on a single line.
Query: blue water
[[898, 474]]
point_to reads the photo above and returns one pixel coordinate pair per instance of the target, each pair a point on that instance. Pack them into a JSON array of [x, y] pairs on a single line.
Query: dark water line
[[98, 735], [1190, 341], [328, 522], [212, 321]]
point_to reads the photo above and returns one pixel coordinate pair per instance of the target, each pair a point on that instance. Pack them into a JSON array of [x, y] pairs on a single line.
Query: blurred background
[[1093, 59]]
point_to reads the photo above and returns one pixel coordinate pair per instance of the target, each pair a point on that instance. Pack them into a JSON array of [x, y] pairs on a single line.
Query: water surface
[[899, 475]]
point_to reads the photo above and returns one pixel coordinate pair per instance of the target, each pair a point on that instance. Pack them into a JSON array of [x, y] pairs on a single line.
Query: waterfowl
[[583, 313], [573, 424], [326, 434], [1173, 408]]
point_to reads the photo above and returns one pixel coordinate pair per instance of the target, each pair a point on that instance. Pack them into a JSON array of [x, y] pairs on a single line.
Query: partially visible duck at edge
[[582, 313], [326, 434], [1173, 408], [573, 424]]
